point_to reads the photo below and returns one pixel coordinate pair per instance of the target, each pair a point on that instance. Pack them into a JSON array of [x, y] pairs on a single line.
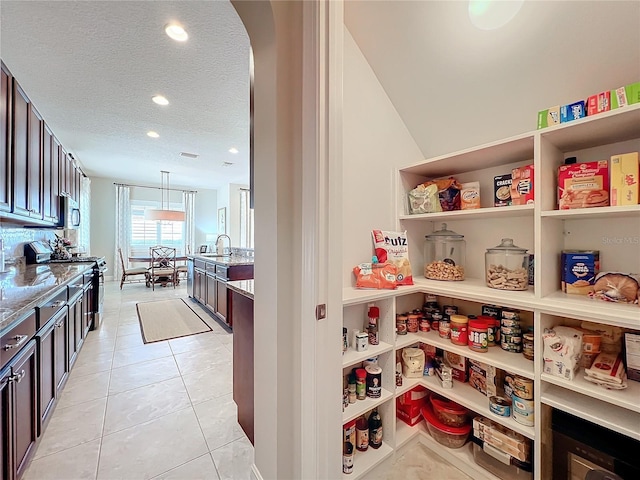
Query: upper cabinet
[[20, 150], [5, 137], [34, 167]]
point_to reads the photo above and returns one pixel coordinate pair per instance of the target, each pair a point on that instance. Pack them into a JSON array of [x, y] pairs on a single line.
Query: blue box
[[573, 111]]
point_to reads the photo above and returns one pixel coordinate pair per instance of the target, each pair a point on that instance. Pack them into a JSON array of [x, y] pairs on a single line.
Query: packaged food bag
[[376, 275], [562, 351], [393, 247], [424, 199]]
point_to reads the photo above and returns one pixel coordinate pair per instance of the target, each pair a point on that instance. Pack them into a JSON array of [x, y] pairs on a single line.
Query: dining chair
[[183, 270], [163, 266], [131, 272]]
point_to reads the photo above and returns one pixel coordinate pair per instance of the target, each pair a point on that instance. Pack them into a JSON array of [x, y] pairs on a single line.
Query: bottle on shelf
[[347, 457], [361, 383], [374, 315], [362, 434], [375, 429]]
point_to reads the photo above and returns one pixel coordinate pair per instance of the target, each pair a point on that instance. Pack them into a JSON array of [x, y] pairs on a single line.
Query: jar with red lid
[[459, 326], [478, 336]]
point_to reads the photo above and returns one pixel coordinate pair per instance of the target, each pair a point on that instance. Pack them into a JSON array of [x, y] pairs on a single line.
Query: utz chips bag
[[393, 247], [376, 275]]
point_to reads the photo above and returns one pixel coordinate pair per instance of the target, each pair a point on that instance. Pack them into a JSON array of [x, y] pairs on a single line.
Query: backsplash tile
[[16, 236]]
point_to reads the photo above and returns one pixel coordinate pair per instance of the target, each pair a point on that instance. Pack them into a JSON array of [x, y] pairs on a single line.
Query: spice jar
[[361, 383], [507, 266], [479, 336], [458, 326], [444, 255]]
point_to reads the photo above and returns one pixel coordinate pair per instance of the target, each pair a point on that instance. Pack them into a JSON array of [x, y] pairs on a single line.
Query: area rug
[[166, 319]]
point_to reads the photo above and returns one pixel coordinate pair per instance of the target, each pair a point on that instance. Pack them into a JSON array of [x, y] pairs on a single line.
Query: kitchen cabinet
[[75, 332], [47, 383], [5, 139], [50, 180], [61, 346], [222, 302], [243, 393], [20, 143], [34, 166], [211, 289]]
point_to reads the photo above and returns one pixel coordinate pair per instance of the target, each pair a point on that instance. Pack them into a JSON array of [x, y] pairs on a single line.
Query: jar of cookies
[[444, 255], [507, 266]]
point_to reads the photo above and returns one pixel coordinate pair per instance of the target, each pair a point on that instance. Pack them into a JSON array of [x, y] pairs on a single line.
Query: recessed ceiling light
[[233, 150], [152, 134], [176, 32], [160, 100]]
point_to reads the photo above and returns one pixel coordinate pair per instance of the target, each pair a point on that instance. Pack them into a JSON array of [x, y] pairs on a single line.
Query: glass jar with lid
[[444, 255], [507, 266]]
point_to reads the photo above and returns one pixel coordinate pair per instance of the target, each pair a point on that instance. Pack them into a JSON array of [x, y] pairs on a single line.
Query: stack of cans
[[510, 331]]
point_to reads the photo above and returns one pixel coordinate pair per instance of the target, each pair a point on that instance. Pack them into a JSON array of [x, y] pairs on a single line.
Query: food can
[[362, 340], [401, 324], [435, 321], [500, 406], [511, 330], [508, 322], [413, 322], [511, 347], [374, 381], [523, 411], [444, 330], [424, 325], [450, 310], [523, 387], [511, 339], [527, 345], [510, 314]]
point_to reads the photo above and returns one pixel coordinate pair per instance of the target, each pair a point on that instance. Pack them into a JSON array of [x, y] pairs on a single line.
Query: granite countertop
[[243, 287], [227, 260], [22, 289]]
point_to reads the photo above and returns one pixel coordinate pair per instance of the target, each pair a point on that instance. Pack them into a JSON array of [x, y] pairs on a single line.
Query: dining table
[[148, 259]]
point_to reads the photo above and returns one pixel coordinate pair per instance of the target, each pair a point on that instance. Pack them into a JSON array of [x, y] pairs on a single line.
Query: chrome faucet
[[219, 247]]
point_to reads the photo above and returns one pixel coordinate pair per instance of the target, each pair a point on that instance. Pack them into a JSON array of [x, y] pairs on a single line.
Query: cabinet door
[[55, 179], [77, 176], [222, 301], [61, 348], [25, 405], [47, 377], [74, 331], [5, 139], [196, 285], [20, 204], [34, 168], [87, 310], [47, 151], [6, 426], [211, 292]]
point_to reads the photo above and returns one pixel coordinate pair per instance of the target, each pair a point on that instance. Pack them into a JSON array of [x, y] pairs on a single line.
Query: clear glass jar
[[507, 266], [444, 255]]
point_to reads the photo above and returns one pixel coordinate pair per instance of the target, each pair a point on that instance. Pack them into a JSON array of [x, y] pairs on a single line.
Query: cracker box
[[502, 190], [579, 269], [573, 111], [549, 117], [583, 185], [492, 311], [632, 355], [599, 103], [627, 95], [624, 179], [459, 365], [485, 378], [522, 185]]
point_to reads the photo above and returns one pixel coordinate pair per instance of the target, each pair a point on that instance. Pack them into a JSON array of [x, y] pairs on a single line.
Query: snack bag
[[376, 275], [424, 199], [393, 247]]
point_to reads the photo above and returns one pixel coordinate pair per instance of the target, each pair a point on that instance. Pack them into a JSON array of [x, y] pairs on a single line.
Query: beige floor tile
[[72, 426], [128, 329], [202, 468], [143, 404], [150, 449], [217, 419], [84, 388], [198, 360], [144, 353], [141, 374], [129, 341], [77, 463], [234, 460], [88, 364], [194, 342], [208, 384], [91, 348]]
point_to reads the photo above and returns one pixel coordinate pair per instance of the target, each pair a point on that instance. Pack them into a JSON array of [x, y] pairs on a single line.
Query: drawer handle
[[59, 324], [78, 285], [20, 340], [57, 303], [18, 377]]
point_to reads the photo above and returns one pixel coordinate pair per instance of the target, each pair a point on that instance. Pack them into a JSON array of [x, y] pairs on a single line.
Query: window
[[246, 220], [149, 233]]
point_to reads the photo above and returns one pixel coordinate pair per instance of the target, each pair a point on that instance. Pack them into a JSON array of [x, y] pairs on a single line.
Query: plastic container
[[459, 330], [507, 266], [444, 255], [451, 437], [448, 412], [479, 336]]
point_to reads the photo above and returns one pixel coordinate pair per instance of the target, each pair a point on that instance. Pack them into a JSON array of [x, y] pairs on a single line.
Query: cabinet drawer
[[76, 286], [16, 338], [199, 263], [211, 268], [50, 307], [222, 272]]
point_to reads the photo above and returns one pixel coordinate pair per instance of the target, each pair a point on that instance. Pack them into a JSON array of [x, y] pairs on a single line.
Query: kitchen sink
[[215, 255]]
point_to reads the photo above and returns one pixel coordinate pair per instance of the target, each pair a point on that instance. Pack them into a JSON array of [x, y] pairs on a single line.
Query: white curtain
[[84, 232], [123, 227], [189, 202]]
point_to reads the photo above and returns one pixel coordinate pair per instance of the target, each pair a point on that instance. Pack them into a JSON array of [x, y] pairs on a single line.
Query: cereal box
[[573, 111], [627, 95], [522, 185], [502, 190], [624, 179], [599, 103], [549, 117], [583, 185], [579, 269]]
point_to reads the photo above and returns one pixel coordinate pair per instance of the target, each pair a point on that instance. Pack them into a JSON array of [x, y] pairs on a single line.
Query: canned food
[[424, 325], [523, 387], [511, 347], [444, 330], [510, 314], [413, 322], [523, 411], [511, 339], [511, 330], [507, 322], [450, 310], [500, 406], [401, 324], [435, 320]]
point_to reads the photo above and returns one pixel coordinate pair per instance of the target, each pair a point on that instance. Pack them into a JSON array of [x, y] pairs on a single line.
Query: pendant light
[[163, 214]]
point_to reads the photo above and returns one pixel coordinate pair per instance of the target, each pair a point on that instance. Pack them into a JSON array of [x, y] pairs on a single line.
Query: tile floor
[[131, 411]]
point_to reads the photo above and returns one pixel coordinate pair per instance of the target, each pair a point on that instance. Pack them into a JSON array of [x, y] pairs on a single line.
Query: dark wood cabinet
[[6, 425], [222, 302], [61, 354], [34, 167], [46, 339], [243, 361], [75, 331], [5, 139], [50, 179], [211, 284], [20, 147]]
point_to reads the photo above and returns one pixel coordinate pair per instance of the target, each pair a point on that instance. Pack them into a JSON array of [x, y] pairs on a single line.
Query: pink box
[[599, 103]]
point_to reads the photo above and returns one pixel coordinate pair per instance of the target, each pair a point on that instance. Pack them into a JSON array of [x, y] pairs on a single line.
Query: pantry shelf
[[628, 398], [584, 308], [408, 384], [355, 296], [365, 461], [405, 433], [354, 410], [612, 417], [478, 213], [352, 356], [406, 340], [623, 211]]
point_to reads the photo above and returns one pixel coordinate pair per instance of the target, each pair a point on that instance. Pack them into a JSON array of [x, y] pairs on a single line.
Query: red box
[[522, 185], [583, 185], [409, 414], [599, 103]]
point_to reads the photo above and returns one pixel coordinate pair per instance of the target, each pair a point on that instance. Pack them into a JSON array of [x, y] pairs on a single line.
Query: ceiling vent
[[189, 155], [227, 164]]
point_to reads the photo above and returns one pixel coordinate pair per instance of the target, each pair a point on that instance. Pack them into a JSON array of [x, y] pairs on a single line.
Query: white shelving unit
[[354, 410], [363, 462], [545, 232]]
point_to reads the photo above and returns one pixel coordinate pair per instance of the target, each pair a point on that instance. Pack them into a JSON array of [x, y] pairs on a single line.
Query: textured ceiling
[[91, 68]]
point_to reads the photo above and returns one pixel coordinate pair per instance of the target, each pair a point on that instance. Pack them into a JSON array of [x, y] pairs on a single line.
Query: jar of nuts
[[507, 266], [444, 252]]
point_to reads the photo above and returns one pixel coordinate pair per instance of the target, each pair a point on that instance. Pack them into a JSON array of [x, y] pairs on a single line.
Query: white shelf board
[[363, 462], [501, 152], [628, 398], [585, 308], [355, 296], [609, 127], [469, 397], [477, 214], [354, 410], [461, 458], [405, 433], [496, 356], [612, 417], [407, 384], [623, 211], [476, 290], [406, 340], [351, 356]]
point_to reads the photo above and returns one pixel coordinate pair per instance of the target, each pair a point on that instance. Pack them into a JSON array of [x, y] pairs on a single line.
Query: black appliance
[[585, 451], [37, 252]]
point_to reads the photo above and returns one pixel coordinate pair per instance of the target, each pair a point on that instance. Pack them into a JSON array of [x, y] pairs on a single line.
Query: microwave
[[69, 213]]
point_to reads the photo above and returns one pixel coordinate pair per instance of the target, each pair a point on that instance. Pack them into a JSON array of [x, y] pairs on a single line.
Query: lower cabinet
[[222, 302], [75, 331], [47, 382], [61, 348], [18, 390], [87, 309], [211, 284]]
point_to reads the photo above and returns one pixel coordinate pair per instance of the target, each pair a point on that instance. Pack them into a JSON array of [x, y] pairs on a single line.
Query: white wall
[[376, 142], [229, 198]]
